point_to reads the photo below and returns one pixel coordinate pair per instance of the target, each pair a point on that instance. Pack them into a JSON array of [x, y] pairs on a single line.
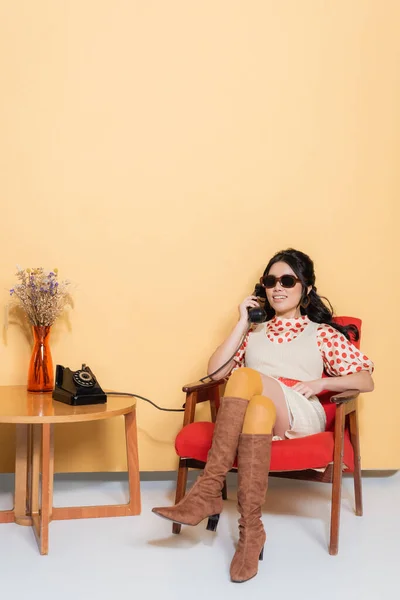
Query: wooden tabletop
[[17, 405]]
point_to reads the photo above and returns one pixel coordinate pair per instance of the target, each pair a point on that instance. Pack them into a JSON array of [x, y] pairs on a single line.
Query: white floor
[[136, 557]]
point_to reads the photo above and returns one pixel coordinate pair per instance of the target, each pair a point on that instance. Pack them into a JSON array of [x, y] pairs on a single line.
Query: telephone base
[[75, 400]]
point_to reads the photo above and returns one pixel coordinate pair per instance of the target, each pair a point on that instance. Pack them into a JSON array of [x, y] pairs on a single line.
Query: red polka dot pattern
[[285, 330], [345, 358]]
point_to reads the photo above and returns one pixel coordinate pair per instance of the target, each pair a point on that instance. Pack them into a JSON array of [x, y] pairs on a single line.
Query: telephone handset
[[77, 387], [258, 314]]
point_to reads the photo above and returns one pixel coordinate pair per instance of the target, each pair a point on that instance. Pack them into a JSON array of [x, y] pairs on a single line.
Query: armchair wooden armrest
[[198, 386], [200, 391], [344, 397]]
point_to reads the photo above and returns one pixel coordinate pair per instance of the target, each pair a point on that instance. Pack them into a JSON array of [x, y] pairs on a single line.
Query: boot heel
[[212, 523], [261, 557]]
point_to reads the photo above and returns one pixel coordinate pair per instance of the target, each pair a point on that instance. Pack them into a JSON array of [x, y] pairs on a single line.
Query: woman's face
[[284, 301]]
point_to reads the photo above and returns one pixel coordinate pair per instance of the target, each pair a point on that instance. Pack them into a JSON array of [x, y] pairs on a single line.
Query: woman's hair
[[316, 310]]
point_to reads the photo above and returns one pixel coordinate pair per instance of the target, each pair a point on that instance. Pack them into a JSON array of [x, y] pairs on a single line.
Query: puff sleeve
[[339, 355]]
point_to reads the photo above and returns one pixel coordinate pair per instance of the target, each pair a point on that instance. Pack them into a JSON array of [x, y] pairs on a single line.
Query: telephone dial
[[77, 387], [258, 314]]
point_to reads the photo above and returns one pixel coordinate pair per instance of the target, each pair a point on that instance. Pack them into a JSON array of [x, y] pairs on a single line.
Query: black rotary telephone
[[258, 314], [80, 387], [77, 387]]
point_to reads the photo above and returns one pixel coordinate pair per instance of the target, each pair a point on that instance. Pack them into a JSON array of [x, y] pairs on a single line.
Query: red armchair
[[295, 459]]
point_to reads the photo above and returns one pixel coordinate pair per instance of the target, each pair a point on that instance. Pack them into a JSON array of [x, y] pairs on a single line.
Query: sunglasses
[[286, 281]]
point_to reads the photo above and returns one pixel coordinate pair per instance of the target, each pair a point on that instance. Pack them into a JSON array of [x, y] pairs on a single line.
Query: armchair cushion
[[311, 452]]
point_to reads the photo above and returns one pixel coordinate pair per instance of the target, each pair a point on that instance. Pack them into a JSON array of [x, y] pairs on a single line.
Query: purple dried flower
[[39, 294]]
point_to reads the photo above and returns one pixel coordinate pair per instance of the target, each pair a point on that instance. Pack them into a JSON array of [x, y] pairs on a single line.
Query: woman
[[271, 394]]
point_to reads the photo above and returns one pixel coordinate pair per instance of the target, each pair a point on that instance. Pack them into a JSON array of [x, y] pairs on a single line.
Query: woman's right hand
[[249, 302]]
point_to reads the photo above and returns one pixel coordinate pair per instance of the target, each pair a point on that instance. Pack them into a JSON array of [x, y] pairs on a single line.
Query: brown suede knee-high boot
[[254, 457], [205, 499]]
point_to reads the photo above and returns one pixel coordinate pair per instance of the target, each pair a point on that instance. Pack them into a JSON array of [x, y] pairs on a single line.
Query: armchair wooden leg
[[180, 489], [355, 441], [337, 479]]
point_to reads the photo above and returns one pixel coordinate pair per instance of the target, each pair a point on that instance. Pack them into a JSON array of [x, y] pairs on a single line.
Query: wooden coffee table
[[34, 415]]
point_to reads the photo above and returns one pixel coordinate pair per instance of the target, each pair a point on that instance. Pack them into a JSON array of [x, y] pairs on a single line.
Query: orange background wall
[[159, 152]]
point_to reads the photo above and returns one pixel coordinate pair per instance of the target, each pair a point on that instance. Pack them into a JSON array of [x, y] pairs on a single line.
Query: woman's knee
[[260, 415], [244, 383]]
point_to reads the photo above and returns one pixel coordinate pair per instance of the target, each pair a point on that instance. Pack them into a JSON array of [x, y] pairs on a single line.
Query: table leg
[[43, 453], [133, 463], [113, 510], [51, 472], [8, 516], [34, 469], [21, 503]]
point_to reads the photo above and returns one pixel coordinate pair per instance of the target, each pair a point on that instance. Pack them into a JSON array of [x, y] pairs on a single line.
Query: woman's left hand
[[309, 388]]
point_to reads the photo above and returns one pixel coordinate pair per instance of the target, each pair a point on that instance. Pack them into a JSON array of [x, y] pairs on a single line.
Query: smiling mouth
[[279, 297]]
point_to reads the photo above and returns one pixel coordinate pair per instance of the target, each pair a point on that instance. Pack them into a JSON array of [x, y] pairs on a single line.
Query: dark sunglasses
[[286, 281]]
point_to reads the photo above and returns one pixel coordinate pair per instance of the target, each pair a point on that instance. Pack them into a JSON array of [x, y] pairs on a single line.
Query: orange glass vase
[[41, 374]]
